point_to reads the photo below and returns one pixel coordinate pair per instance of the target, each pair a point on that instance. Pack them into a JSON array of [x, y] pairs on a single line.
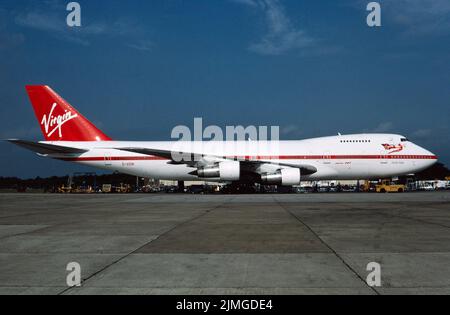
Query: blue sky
[[139, 68]]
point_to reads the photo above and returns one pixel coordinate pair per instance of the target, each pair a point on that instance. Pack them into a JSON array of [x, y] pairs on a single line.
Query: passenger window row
[[355, 141]]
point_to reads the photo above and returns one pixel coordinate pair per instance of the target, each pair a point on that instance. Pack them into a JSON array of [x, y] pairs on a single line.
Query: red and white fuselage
[[71, 137], [358, 156]]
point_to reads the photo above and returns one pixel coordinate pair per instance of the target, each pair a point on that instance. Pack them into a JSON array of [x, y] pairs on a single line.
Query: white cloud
[[53, 21], [8, 39], [382, 127], [51, 18], [417, 17], [421, 133], [251, 3], [281, 35], [291, 130], [40, 21], [142, 45]]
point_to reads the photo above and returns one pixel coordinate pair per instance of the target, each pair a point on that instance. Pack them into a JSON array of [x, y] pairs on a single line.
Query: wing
[[195, 160], [45, 149]]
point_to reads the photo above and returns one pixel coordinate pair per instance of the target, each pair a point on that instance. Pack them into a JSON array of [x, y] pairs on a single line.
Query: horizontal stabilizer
[[43, 148]]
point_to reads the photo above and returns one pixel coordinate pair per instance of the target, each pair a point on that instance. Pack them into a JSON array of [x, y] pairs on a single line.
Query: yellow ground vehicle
[[106, 188], [368, 186], [387, 186], [64, 189], [122, 188]]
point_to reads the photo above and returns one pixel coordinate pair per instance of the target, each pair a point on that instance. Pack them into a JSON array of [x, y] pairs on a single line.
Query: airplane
[[69, 136]]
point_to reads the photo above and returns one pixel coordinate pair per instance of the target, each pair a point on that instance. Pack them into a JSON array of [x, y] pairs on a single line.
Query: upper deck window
[[355, 141]]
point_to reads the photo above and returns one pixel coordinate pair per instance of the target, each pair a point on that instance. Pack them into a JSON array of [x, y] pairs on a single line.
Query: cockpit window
[[404, 140]]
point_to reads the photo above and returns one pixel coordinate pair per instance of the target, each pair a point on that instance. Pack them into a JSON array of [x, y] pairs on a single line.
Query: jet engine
[[284, 177], [226, 171]]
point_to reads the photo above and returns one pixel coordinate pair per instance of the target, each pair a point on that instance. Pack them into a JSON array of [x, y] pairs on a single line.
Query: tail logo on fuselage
[[54, 123], [393, 148]]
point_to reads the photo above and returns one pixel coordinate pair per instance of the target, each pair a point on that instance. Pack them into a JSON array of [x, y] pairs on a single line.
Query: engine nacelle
[[284, 177], [226, 171]]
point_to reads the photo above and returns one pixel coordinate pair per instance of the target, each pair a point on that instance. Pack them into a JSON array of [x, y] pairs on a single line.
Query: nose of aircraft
[[430, 158]]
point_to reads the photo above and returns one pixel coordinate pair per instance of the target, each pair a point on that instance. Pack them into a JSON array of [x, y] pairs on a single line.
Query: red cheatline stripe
[[114, 158], [282, 157]]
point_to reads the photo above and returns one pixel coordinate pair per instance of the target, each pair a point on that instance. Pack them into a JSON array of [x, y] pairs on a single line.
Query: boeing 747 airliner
[[71, 137]]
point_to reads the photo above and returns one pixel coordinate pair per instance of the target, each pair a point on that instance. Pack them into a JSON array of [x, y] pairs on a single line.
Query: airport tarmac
[[225, 244]]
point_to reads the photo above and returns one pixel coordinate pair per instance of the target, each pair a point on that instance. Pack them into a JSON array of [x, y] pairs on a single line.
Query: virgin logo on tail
[[54, 123]]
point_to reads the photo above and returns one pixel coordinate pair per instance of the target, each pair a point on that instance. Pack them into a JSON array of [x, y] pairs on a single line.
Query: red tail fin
[[58, 119]]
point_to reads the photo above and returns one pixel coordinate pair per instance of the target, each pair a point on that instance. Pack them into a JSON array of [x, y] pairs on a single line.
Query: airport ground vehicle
[[106, 188], [122, 188], [427, 187], [197, 189], [367, 186], [387, 186]]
